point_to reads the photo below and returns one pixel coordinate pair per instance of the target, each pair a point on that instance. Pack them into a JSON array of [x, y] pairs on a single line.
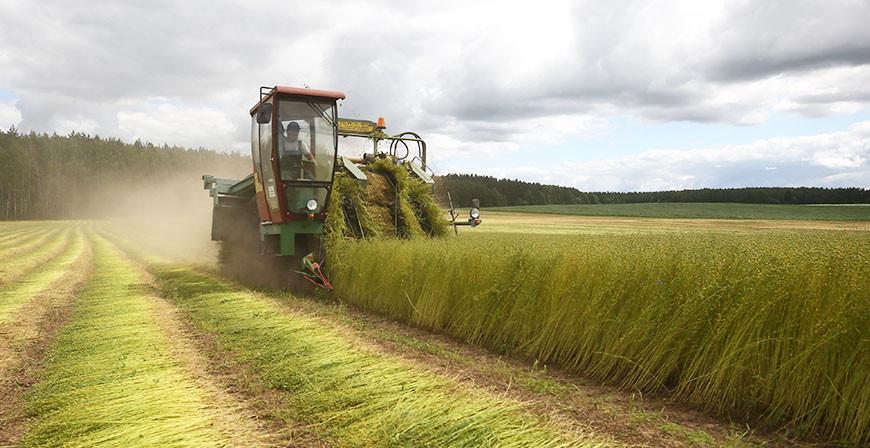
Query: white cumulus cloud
[[836, 159], [9, 115], [159, 122], [479, 77]]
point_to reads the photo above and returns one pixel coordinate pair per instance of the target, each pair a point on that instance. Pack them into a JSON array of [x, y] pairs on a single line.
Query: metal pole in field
[[452, 215]]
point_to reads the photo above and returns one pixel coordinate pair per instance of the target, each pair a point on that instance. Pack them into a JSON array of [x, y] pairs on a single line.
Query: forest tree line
[[494, 192], [80, 176]]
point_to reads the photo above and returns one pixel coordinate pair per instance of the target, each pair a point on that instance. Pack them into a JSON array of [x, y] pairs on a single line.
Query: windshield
[[306, 140]]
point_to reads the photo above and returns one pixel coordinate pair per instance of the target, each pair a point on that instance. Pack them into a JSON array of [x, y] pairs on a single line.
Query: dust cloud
[[169, 217]]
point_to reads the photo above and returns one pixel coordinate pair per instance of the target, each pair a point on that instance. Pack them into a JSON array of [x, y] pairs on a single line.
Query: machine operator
[[295, 158]]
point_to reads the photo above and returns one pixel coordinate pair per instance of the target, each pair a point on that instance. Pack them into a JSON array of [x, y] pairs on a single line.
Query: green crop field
[[768, 326], [857, 212], [124, 360], [533, 330]]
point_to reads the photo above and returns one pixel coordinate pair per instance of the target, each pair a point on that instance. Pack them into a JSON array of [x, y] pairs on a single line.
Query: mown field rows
[[640, 423], [352, 394], [111, 375], [110, 378], [102, 344], [13, 237], [768, 327], [28, 253], [32, 306], [17, 294]]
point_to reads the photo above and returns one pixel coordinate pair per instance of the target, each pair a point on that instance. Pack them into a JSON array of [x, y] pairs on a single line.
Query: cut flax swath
[[40, 305], [18, 265], [407, 219], [110, 378], [355, 212], [353, 395], [379, 203], [432, 218], [28, 244], [12, 238], [14, 295]]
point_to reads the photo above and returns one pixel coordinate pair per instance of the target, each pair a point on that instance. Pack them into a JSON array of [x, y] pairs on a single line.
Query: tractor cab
[[271, 222], [293, 146]]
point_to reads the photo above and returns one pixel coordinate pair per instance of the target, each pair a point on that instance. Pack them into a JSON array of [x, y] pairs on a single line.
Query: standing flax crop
[[769, 327]]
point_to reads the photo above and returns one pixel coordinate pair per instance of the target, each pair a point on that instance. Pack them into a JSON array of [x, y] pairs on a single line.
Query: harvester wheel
[[242, 255]]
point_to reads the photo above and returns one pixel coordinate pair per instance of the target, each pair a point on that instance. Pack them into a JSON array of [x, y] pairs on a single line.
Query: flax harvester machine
[[272, 223]]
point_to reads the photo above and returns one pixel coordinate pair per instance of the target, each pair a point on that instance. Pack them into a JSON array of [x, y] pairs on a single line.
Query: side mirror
[[264, 113]]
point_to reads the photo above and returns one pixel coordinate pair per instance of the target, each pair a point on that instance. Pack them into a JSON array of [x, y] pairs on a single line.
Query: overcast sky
[[599, 95]]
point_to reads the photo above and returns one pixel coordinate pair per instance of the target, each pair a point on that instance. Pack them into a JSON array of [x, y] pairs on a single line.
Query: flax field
[[529, 331]]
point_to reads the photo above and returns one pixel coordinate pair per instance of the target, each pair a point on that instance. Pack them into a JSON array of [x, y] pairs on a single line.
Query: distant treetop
[[494, 192]]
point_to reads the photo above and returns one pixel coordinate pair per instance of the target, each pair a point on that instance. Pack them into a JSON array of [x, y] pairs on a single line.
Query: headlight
[[475, 213], [311, 205]]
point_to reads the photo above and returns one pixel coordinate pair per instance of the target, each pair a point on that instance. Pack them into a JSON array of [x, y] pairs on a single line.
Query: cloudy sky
[[615, 95]]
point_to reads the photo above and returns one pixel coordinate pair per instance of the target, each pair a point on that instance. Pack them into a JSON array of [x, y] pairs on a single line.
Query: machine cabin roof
[[315, 93]]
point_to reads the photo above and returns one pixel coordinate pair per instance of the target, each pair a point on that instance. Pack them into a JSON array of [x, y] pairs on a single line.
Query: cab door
[[262, 148]]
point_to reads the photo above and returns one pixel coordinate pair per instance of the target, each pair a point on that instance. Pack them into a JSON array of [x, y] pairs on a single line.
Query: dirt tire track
[[23, 343]]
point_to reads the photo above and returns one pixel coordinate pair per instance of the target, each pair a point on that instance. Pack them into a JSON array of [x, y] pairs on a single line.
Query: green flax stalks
[[769, 327], [350, 393], [16, 294], [28, 255], [110, 379], [347, 194], [374, 209]]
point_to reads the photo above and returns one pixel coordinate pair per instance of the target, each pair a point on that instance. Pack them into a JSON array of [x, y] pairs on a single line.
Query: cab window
[[306, 140]]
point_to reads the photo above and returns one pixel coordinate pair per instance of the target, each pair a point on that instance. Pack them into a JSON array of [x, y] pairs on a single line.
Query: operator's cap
[[292, 125]]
